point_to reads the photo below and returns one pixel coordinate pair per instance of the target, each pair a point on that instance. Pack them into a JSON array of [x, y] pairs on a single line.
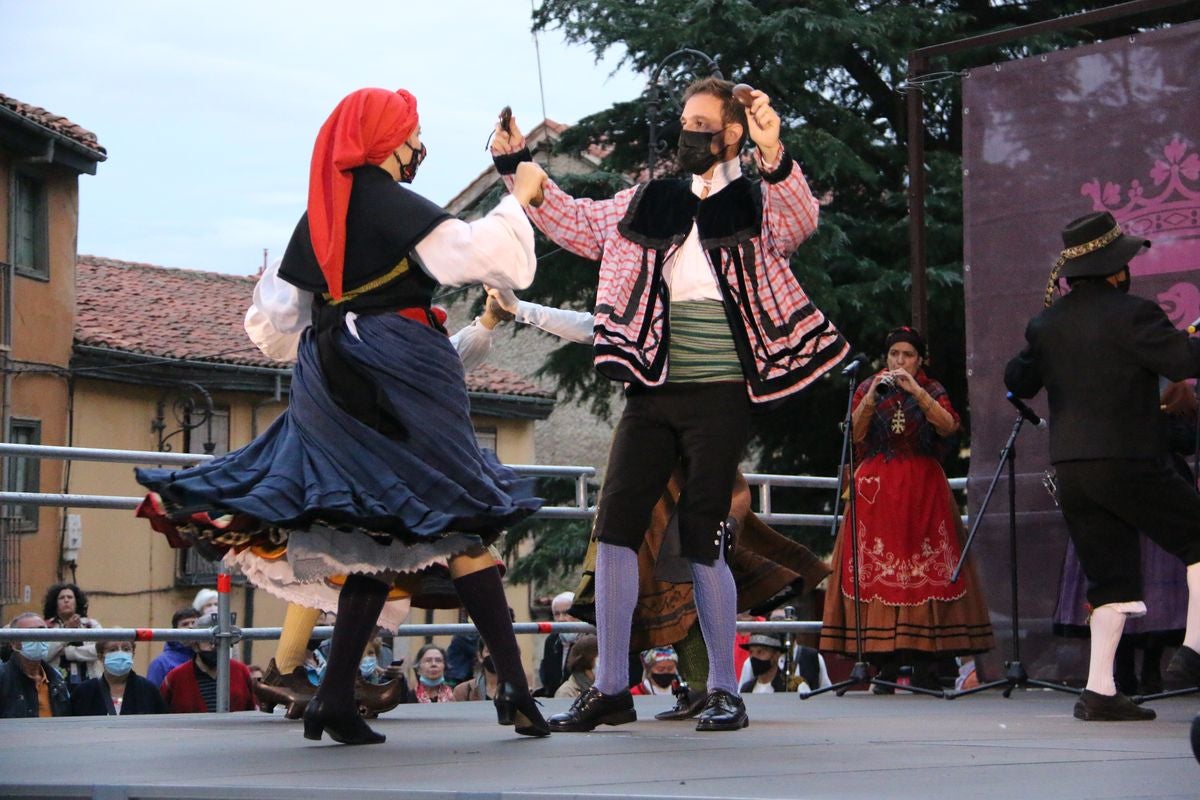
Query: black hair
[[50, 602], [187, 612]]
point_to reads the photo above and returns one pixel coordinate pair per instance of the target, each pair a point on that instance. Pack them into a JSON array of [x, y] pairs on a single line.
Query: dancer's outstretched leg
[[1101, 700], [333, 710], [482, 594], [1183, 672]]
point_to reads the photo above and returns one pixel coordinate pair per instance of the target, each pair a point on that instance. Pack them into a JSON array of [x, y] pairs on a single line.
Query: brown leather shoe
[[292, 691], [375, 698], [1103, 708]]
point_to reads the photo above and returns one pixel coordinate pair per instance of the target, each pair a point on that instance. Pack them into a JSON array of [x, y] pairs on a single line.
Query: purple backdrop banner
[[1113, 126]]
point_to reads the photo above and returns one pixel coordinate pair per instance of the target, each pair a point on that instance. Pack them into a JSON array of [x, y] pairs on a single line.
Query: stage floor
[[850, 748]]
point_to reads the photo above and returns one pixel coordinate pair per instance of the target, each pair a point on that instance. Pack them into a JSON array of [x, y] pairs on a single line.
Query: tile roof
[[195, 315], [55, 123]]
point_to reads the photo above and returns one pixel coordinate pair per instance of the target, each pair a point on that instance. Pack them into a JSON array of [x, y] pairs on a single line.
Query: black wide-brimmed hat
[[1094, 246], [763, 639]]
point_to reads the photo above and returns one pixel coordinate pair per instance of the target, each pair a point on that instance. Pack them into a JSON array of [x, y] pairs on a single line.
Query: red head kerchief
[[364, 129]]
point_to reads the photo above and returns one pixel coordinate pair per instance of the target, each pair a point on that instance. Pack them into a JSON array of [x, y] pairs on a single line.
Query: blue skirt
[[317, 469]]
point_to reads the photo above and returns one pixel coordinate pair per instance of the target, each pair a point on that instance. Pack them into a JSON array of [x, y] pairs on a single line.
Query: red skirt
[[907, 533], [909, 536]]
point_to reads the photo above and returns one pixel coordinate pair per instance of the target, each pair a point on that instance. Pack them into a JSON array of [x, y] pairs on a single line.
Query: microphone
[[1028, 413], [1195, 326], [853, 366]]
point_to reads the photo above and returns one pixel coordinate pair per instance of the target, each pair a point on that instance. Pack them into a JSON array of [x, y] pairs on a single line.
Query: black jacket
[[92, 698], [19, 695], [1099, 352]]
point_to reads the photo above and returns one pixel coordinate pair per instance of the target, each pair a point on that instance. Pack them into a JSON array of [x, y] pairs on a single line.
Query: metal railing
[[580, 510], [235, 634]]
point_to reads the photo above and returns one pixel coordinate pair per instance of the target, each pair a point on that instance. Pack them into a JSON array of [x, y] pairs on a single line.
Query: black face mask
[[695, 153], [761, 666], [1123, 283], [489, 665], [662, 679], [409, 171], [207, 657]]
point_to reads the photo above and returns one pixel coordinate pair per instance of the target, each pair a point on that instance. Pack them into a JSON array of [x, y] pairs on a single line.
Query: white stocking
[[1106, 624], [1191, 635]]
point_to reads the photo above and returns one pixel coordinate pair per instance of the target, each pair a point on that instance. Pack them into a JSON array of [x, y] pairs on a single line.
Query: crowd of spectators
[[81, 678], [90, 678]]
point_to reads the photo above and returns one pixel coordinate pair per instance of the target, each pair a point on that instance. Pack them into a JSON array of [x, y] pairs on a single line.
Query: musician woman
[[908, 528]]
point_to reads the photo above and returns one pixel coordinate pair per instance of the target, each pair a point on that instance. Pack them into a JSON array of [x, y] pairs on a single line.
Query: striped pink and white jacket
[[748, 230]]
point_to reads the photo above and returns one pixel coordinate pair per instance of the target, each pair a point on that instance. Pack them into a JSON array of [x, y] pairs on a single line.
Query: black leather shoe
[[593, 708], [688, 703], [722, 712], [1183, 671], [1196, 737], [345, 727], [1103, 708], [520, 710]]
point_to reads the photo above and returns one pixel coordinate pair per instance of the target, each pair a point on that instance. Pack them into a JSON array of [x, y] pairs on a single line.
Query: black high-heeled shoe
[[520, 710], [345, 727]]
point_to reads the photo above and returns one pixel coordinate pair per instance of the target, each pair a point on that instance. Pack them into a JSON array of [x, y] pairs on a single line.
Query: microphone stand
[[788, 640], [1014, 673], [860, 674]]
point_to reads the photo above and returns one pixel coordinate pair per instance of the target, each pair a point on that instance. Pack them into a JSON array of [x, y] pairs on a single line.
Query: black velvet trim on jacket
[[782, 171], [507, 164], [661, 214], [384, 222]]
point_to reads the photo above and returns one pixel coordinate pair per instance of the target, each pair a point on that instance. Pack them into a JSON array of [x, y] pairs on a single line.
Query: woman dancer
[[373, 470]]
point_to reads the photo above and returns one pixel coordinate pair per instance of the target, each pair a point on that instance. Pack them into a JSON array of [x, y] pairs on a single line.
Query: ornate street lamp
[[192, 406], [654, 105]]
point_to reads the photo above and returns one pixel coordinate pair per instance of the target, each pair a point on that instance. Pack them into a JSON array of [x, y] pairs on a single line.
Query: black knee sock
[[482, 595], [359, 604]]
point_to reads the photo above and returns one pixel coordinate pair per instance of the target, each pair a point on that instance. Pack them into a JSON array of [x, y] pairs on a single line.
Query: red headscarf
[[364, 129]]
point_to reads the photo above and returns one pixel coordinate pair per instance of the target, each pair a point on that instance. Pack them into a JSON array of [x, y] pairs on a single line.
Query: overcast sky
[[209, 110]]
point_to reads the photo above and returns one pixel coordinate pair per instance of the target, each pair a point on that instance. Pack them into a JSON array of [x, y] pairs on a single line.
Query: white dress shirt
[[496, 249], [687, 271]]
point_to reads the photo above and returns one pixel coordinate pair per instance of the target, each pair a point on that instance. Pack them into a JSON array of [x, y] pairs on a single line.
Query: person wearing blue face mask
[[29, 686], [119, 690], [431, 686]]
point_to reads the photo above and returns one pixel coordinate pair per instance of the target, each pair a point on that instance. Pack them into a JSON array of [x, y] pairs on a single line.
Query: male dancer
[[700, 315], [1099, 352]]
